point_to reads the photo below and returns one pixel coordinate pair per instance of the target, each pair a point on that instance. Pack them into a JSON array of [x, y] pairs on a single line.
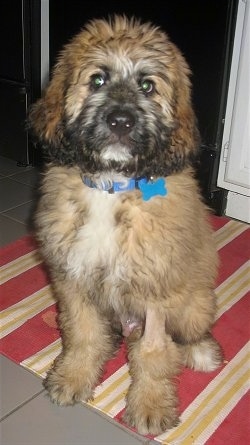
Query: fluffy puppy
[[120, 222]]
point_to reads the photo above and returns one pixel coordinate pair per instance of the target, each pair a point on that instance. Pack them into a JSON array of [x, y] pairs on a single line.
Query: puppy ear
[[45, 119], [185, 137]]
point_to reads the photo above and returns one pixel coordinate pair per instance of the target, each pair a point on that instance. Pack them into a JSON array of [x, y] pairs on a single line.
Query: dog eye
[[147, 86], [97, 80]]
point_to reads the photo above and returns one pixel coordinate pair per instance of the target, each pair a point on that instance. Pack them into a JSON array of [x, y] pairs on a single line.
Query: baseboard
[[238, 206]]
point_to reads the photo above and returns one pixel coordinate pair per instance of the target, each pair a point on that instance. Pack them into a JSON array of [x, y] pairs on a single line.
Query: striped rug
[[214, 406]]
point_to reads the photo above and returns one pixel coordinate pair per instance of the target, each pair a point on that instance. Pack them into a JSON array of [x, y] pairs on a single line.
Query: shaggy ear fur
[[185, 137], [46, 115]]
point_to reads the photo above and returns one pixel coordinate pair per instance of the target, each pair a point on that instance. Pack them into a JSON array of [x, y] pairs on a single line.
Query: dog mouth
[[120, 124], [114, 140], [114, 137], [117, 152]]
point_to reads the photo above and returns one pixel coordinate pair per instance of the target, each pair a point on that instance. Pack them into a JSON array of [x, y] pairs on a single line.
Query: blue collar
[[149, 189], [115, 186]]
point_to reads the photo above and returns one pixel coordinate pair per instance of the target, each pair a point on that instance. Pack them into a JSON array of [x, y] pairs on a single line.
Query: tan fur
[[115, 257]]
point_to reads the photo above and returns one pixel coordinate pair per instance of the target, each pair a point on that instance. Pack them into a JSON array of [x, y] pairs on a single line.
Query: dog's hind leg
[[87, 345], [190, 328], [154, 361], [203, 355]]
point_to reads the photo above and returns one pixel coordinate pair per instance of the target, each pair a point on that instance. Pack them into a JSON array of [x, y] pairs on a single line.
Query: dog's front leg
[[87, 344], [154, 361]]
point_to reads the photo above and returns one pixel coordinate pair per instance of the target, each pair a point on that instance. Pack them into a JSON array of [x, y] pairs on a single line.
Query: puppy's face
[[119, 99]]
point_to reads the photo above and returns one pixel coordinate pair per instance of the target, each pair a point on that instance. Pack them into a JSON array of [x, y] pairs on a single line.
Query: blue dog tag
[[153, 188]]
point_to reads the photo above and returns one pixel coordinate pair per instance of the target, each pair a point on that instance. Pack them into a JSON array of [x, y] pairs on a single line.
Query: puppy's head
[[119, 99]]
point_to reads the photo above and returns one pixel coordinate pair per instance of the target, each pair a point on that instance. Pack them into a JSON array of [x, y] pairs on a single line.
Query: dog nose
[[120, 122]]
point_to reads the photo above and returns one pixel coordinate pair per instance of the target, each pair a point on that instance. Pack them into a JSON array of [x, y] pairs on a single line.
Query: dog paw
[[152, 406], [151, 420], [66, 390]]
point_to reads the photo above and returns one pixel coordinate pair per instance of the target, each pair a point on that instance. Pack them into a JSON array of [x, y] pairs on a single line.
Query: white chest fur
[[95, 243]]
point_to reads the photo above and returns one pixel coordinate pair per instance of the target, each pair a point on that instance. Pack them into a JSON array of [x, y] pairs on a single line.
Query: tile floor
[[27, 415]]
